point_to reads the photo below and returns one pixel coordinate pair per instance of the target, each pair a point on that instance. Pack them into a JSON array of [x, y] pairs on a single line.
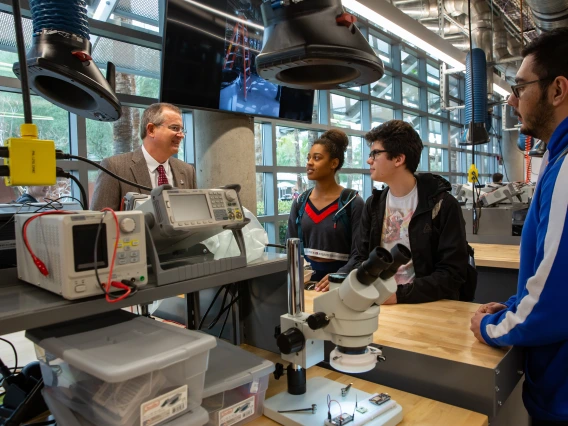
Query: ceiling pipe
[[419, 9], [514, 46], [500, 50], [549, 14]]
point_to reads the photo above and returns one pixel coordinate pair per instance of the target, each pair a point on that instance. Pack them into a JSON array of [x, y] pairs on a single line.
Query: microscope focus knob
[[292, 340], [318, 320]]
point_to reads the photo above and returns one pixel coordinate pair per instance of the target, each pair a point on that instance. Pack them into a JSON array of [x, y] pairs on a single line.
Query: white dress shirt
[[152, 168]]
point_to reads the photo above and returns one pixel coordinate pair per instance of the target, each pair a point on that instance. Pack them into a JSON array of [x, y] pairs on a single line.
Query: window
[[437, 159], [432, 75], [434, 131], [287, 185], [455, 114], [354, 154], [110, 138], [258, 144], [409, 64], [345, 112], [7, 59], [410, 95], [351, 180], [315, 113], [381, 48], [453, 86], [380, 114], [434, 104], [455, 136], [382, 89], [260, 195], [52, 122], [414, 120], [293, 145], [496, 143], [454, 162], [142, 15], [282, 229]]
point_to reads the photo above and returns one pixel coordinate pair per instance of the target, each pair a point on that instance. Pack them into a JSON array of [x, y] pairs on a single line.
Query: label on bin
[[165, 406], [236, 413]]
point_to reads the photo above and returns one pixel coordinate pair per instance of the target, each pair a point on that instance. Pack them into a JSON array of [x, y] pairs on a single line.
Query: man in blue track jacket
[[536, 318]]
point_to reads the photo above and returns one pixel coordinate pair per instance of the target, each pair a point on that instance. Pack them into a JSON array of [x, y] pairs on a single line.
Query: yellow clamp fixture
[[31, 160], [472, 174]]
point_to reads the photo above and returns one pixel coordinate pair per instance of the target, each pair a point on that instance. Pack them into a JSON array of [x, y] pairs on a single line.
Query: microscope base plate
[[317, 390]]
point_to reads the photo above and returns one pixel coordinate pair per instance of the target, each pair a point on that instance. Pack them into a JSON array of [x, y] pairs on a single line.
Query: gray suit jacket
[[132, 166]]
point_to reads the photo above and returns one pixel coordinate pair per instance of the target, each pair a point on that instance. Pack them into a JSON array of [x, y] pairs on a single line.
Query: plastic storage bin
[[119, 369], [235, 385], [65, 417]]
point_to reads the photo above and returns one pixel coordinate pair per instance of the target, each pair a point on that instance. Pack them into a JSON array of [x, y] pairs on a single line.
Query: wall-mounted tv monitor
[[208, 61]]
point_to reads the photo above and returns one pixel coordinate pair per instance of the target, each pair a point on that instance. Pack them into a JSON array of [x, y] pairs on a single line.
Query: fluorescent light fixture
[[225, 15], [501, 91], [407, 36]]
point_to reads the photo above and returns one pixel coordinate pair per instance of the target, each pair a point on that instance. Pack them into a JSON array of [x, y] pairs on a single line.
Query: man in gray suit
[[161, 131]]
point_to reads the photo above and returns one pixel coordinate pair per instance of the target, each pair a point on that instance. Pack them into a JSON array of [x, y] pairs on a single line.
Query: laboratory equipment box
[[235, 385], [119, 369], [66, 417]]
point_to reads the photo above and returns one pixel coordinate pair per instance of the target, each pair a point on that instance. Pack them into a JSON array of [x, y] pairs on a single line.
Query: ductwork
[[549, 14], [514, 46], [480, 20], [500, 50], [456, 7], [449, 28], [418, 9]]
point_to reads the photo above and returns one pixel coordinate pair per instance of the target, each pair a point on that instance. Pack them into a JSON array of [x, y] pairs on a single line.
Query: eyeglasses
[[373, 154], [175, 129], [515, 87]]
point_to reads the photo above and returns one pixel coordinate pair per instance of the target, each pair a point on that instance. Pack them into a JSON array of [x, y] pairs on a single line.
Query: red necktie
[[162, 177]]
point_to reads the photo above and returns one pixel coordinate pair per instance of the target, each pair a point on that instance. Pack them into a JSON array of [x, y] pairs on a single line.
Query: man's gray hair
[[155, 114]]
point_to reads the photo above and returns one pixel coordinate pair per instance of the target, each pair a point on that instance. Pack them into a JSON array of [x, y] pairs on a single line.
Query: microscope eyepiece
[[401, 256], [379, 260]]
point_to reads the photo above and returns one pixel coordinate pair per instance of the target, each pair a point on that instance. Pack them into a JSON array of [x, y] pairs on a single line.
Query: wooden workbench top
[[439, 329], [497, 255], [417, 411]]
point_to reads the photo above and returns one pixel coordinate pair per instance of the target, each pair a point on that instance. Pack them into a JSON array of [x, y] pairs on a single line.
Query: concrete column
[[224, 153], [514, 158]]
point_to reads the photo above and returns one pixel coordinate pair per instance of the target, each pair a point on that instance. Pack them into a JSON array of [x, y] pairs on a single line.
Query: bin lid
[[231, 367], [67, 417], [119, 345]]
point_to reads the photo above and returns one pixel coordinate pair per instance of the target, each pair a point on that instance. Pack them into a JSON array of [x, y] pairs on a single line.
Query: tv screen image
[[208, 61]]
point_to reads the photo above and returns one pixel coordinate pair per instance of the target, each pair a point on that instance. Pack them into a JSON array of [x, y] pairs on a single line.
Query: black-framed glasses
[[515, 87], [373, 154], [176, 129]]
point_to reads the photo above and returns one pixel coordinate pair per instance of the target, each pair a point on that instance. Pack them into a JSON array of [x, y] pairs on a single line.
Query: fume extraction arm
[[315, 44], [59, 62]]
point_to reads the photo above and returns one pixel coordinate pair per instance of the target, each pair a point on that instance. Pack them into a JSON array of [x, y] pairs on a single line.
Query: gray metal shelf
[[24, 306]]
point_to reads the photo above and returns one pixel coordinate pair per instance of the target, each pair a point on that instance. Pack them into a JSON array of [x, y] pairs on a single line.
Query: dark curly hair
[[550, 51], [398, 137], [336, 143]]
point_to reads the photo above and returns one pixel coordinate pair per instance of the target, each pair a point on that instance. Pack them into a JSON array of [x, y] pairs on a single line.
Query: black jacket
[[437, 240]]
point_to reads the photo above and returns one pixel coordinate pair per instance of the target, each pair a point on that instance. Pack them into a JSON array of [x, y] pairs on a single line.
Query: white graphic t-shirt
[[398, 212]]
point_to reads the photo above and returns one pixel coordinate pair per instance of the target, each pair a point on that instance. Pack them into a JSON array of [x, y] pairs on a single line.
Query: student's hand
[[391, 300], [323, 285], [491, 308], [476, 325]]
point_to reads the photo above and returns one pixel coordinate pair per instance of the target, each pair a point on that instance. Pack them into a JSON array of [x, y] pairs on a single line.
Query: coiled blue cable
[[63, 15], [479, 87]]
